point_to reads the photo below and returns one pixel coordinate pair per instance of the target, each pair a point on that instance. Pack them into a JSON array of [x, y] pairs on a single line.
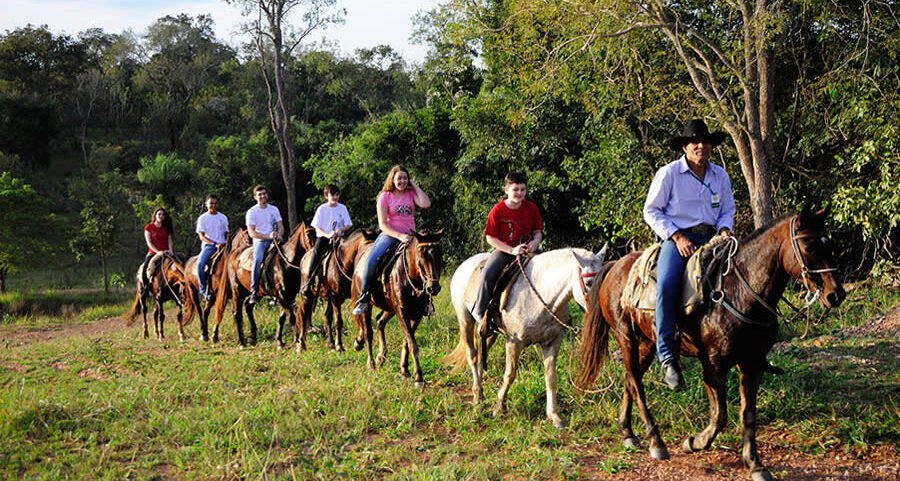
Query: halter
[[425, 277], [718, 296]]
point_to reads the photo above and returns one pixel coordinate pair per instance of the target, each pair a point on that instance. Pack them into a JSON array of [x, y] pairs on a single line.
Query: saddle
[[245, 261], [387, 260], [640, 288], [499, 291]]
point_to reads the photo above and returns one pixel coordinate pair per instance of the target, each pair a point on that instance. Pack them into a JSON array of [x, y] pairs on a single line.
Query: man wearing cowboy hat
[[689, 201]]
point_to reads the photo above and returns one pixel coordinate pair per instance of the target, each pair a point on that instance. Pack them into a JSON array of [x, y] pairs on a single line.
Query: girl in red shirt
[[158, 234]]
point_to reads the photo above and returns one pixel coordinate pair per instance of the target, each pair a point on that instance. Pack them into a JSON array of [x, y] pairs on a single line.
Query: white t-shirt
[[327, 216], [263, 219], [213, 227]]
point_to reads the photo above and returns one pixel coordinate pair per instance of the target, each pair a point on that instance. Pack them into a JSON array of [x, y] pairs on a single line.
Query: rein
[[166, 280], [520, 263], [718, 295]]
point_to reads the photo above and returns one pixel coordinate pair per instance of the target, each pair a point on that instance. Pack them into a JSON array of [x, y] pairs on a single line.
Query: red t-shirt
[[513, 226], [158, 237]]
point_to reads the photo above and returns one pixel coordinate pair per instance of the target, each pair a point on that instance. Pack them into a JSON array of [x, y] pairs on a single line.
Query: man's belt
[[701, 229]]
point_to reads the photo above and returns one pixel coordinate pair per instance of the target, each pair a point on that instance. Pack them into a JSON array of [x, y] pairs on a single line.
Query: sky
[[368, 22]]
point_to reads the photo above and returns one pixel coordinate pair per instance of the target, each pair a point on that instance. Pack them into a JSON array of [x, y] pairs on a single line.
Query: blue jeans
[[381, 245], [206, 251], [259, 252], [669, 272], [496, 262]]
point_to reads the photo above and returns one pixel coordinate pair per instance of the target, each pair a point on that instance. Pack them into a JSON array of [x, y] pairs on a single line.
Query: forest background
[[98, 129]]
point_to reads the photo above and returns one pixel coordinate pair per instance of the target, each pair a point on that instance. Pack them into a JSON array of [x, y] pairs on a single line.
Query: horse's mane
[[765, 227]]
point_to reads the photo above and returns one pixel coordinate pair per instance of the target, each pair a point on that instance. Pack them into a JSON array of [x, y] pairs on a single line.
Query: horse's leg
[[467, 333], [382, 343], [252, 320], [636, 361], [338, 324], [513, 351], [367, 331], [238, 318], [329, 324], [179, 317], [644, 355], [204, 321], [550, 351], [750, 379], [411, 347], [161, 313], [144, 310], [714, 378], [280, 332]]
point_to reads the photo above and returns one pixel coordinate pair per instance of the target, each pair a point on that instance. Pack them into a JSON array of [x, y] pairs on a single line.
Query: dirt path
[[718, 464]]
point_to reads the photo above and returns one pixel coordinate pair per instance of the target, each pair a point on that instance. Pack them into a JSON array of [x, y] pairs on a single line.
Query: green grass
[[121, 407]]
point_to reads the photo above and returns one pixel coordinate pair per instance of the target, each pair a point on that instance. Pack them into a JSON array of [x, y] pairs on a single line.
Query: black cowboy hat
[[695, 130]]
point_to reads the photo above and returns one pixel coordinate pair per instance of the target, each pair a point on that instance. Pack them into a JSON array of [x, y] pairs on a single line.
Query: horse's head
[[588, 267], [429, 259], [810, 258]]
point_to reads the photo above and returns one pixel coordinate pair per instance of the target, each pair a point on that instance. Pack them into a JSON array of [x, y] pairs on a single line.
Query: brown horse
[[737, 329], [216, 267], [165, 282], [412, 281], [334, 287], [279, 278]]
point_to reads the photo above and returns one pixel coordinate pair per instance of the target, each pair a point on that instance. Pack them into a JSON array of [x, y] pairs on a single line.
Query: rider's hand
[[685, 246], [532, 246], [519, 249], [407, 238]]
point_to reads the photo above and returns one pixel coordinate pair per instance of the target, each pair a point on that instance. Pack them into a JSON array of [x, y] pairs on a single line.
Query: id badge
[[715, 201]]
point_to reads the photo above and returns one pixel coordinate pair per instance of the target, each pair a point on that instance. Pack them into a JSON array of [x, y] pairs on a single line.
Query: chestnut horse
[[334, 287], [165, 282], [737, 329], [413, 279], [279, 278], [216, 268]]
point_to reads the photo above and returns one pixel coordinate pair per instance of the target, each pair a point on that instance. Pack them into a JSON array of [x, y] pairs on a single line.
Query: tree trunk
[[3, 271]]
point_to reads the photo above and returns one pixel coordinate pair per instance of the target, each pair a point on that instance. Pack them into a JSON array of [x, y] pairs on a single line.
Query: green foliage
[[28, 233], [166, 175]]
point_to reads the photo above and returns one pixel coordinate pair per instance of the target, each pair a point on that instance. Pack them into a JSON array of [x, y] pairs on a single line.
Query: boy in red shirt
[[513, 228]]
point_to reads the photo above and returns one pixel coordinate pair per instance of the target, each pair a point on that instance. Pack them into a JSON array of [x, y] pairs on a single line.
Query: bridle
[[426, 277], [730, 250]]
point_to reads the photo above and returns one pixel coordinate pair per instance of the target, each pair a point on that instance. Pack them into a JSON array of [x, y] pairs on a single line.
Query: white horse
[[557, 276]]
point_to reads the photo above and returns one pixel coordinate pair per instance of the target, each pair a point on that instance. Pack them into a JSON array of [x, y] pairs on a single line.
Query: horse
[[216, 267], [413, 279], [334, 287], [736, 328], [535, 313], [165, 282], [279, 278]]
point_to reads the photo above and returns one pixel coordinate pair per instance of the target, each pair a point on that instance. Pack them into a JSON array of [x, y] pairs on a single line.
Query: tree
[[275, 42], [26, 239], [103, 214], [185, 56]]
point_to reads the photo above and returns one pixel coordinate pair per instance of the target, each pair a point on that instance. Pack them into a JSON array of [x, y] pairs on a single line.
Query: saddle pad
[[500, 292], [471, 292]]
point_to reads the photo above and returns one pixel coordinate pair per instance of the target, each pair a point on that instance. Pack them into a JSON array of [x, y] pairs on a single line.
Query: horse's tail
[[223, 289], [191, 302], [592, 351], [457, 358], [135, 308]]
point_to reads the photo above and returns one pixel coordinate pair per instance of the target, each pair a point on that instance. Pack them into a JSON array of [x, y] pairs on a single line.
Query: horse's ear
[[601, 256], [580, 260], [439, 232]]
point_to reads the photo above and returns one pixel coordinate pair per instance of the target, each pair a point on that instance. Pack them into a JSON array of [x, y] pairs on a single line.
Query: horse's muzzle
[[433, 289], [835, 297]]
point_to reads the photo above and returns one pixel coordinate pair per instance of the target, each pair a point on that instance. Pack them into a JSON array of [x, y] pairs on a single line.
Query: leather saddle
[[499, 291], [640, 289]]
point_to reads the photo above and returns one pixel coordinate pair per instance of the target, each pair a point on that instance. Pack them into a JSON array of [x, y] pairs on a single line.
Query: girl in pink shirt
[[396, 206]]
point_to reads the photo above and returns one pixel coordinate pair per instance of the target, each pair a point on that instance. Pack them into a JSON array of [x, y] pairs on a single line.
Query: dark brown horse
[[738, 329], [412, 281], [165, 282], [216, 268], [279, 278], [334, 287]]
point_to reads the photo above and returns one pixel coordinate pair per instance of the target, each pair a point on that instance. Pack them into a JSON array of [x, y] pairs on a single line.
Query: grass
[[121, 407]]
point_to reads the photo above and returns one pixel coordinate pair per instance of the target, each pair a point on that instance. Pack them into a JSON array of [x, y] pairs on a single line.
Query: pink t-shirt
[[400, 210]]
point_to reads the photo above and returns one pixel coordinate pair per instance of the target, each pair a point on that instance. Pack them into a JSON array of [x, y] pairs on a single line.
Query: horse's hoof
[[560, 423], [205, 338], [631, 443], [357, 345], [761, 475], [404, 373], [661, 453], [280, 346], [420, 385], [252, 341], [340, 349], [499, 410], [686, 445]]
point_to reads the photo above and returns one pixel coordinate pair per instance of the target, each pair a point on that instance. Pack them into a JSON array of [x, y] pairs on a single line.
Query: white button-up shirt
[[678, 199]]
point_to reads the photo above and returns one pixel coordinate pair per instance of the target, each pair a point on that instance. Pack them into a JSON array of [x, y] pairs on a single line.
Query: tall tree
[[26, 219], [275, 41]]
